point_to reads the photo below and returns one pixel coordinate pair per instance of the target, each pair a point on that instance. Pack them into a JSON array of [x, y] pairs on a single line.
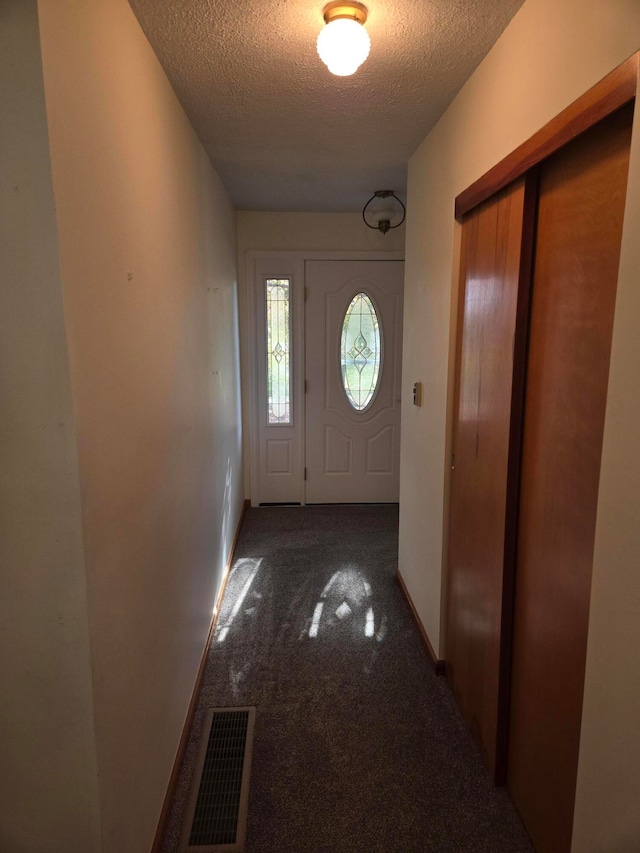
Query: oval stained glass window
[[360, 351]]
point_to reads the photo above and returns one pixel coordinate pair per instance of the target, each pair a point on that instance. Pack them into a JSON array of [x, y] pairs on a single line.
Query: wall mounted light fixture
[[383, 213], [343, 44]]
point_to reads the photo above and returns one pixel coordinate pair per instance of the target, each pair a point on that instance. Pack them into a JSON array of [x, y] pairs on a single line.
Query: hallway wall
[[549, 55], [294, 232], [47, 749], [148, 263]]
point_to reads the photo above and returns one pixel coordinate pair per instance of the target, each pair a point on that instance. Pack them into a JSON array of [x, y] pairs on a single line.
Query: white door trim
[[294, 263]]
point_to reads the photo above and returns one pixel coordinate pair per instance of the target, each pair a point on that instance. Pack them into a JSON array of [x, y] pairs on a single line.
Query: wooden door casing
[[579, 228]]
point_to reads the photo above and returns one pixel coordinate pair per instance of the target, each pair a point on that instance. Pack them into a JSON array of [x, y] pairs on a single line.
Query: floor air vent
[[216, 817]]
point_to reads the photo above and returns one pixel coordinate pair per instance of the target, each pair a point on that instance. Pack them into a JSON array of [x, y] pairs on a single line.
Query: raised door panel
[[337, 450], [278, 456], [380, 451]]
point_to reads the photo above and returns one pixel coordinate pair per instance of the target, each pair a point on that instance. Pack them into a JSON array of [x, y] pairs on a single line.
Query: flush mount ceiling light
[[383, 212], [343, 44]]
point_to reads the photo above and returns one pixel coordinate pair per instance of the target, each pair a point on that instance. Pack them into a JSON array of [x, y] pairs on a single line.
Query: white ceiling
[[284, 133]]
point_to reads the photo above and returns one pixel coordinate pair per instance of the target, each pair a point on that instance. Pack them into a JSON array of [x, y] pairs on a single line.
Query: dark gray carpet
[[358, 746]]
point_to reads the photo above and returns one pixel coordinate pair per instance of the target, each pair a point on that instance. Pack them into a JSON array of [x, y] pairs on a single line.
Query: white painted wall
[[148, 263], [549, 55], [48, 780], [320, 232], [295, 232]]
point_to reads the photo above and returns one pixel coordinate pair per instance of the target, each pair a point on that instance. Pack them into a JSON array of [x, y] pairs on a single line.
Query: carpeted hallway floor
[[358, 746]]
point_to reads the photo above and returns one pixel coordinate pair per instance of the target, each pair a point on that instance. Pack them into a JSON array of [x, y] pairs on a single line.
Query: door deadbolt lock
[[417, 393]]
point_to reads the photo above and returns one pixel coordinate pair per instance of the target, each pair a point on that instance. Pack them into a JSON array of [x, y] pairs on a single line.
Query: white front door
[[353, 350]]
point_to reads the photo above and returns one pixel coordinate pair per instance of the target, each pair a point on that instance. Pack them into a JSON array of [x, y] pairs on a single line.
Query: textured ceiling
[[284, 133]]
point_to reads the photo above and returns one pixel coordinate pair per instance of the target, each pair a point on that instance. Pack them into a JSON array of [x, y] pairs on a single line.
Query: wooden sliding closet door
[[581, 205], [492, 254]]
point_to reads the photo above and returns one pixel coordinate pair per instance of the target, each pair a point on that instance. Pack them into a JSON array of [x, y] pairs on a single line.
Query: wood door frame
[[291, 260], [610, 94]]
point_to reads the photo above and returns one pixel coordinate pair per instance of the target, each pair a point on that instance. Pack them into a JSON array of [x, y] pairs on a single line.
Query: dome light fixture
[[343, 44], [383, 212]]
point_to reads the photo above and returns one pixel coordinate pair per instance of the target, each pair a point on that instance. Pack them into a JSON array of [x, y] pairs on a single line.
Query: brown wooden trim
[[184, 738], [610, 94], [438, 665]]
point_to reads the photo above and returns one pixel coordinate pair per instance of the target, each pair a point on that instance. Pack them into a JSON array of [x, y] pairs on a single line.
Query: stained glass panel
[[278, 358], [360, 351]]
